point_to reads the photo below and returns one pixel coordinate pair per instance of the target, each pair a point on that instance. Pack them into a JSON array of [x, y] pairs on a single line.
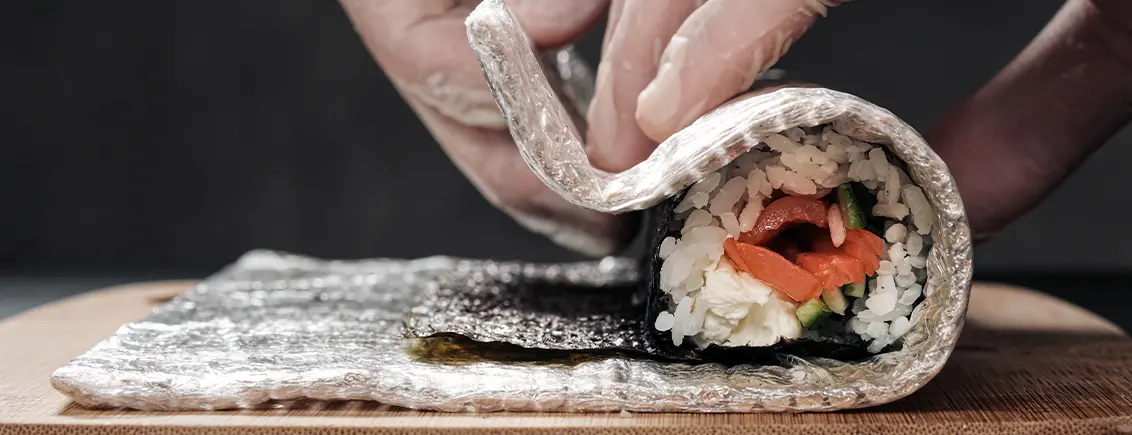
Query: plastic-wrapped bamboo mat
[[487, 336]]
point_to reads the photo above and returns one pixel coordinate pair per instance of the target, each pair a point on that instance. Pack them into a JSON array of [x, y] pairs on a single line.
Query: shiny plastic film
[[463, 335]]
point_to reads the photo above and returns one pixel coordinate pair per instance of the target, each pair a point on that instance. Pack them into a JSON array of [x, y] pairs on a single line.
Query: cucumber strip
[[851, 212], [811, 312], [835, 301], [854, 289]]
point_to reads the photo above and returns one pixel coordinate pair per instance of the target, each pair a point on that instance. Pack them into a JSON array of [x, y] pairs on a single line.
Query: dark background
[[164, 138]]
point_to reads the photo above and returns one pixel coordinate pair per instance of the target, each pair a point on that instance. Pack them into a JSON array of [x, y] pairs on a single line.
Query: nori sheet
[[594, 315]]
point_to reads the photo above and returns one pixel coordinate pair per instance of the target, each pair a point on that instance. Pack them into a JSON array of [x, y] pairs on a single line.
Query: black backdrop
[[176, 135]]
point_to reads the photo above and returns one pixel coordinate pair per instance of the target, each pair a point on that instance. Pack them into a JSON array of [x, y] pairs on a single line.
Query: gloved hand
[[666, 63], [423, 47]]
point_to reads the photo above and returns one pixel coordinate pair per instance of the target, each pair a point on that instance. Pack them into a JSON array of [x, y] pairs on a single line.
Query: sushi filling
[[811, 234]]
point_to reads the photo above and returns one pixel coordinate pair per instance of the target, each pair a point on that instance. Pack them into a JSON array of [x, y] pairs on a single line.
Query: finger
[[628, 63], [489, 159], [615, 8], [716, 55], [423, 47], [554, 23], [1022, 133]]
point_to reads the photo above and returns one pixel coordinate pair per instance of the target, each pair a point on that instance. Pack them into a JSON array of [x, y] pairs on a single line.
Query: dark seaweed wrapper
[[522, 310]]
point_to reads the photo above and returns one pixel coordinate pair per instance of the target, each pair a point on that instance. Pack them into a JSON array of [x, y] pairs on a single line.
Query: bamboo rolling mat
[[1027, 363]]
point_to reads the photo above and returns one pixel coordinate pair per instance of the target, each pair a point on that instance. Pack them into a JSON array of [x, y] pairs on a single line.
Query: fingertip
[[600, 124], [628, 148], [618, 150], [629, 64], [557, 23], [708, 62], [614, 142], [655, 118], [659, 117], [663, 108]]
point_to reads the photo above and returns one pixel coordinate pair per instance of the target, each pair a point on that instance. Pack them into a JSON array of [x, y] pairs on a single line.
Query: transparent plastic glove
[[423, 47], [666, 63], [1008, 145]]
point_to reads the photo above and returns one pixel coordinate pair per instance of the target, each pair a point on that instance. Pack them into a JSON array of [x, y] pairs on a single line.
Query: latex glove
[[666, 63], [423, 47], [1008, 145]]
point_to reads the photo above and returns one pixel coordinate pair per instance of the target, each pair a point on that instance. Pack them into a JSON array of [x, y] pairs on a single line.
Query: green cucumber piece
[[851, 212], [811, 312], [854, 289], [866, 199], [835, 300]]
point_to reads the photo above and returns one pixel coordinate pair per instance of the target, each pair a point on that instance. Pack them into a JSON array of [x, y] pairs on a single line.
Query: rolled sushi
[[810, 235]]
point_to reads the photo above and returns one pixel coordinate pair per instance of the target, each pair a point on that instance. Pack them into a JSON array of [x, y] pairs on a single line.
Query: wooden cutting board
[[1027, 363]]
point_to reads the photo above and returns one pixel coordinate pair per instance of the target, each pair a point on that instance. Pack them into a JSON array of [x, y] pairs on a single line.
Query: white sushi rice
[[713, 303]]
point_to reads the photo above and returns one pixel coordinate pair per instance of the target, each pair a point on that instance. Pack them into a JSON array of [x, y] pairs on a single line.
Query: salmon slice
[[860, 244], [773, 269], [783, 213], [872, 241], [832, 269]]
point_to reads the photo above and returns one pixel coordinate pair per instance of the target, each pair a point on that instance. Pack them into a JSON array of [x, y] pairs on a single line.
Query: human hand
[[664, 64], [423, 47], [1007, 146], [1019, 136]]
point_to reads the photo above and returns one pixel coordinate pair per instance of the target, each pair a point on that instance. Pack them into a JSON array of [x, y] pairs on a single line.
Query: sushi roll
[[788, 215], [806, 236], [809, 235]]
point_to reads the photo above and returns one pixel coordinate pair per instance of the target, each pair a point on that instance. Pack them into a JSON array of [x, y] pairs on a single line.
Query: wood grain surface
[[1027, 363]]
